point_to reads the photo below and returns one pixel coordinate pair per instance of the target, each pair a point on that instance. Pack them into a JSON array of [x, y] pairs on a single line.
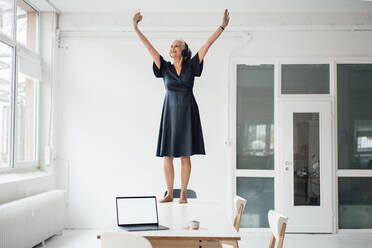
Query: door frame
[[313, 97], [231, 128], [283, 156]]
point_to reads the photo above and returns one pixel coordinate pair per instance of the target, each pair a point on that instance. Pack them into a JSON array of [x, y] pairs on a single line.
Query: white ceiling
[[211, 6]]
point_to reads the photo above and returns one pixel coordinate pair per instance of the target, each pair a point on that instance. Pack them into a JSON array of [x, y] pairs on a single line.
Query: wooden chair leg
[[280, 243], [272, 242], [238, 218], [282, 233]]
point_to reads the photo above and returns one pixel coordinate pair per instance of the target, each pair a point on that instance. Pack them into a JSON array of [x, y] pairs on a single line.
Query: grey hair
[[188, 56]]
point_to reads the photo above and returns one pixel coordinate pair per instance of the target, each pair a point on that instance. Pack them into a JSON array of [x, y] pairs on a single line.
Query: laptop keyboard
[[145, 228]]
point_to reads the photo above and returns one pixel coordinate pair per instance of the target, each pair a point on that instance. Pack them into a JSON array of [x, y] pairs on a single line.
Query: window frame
[[347, 172], [231, 136], [231, 130], [16, 47]]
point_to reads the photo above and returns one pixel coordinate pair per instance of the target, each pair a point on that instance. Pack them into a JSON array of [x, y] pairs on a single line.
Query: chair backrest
[[122, 239], [278, 224], [239, 203], [177, 192]]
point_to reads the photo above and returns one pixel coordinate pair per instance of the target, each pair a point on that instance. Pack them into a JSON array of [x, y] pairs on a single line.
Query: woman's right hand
[[137, 18]]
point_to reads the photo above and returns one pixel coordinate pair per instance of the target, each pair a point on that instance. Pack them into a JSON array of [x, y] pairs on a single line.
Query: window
[[354, 91], [6, 58], [355, 202], [306, 159], [20, 71], [255, 142], [364, 143], [354, 116], [259, 193], [255, 117], [27, 25], [305, 79], [6, 17], [26, 118]]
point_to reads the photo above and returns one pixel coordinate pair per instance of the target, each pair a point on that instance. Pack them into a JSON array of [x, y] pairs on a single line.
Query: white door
[[305, 164]]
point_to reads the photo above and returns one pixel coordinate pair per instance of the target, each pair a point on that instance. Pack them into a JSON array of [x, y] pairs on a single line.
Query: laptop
[[138, 213]]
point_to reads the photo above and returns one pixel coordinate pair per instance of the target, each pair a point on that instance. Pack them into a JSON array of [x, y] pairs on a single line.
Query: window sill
[[18, 176]]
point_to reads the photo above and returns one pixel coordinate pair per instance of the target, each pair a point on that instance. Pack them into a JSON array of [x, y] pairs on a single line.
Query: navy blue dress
[[180, 132]]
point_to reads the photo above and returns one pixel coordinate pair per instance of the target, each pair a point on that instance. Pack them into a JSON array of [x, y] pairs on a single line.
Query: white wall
[[109, 6], [109, 106], [108, 121]]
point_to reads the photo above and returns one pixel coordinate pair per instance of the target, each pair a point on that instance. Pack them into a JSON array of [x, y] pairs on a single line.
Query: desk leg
[[184, 243]]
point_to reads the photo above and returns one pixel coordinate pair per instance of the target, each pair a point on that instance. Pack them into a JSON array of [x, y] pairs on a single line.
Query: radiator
[[26, 222]]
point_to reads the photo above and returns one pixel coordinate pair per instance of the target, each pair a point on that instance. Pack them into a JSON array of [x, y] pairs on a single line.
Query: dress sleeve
[[159, 72], [197, 67]]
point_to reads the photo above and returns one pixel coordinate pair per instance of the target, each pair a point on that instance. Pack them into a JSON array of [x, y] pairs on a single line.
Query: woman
[[180, 133]]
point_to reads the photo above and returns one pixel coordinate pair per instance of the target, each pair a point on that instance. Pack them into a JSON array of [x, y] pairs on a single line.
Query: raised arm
[[154, 54], [204, 49]]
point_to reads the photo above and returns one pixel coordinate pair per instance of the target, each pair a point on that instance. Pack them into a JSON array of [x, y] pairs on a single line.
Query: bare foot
[[167, 198], [183, 197]]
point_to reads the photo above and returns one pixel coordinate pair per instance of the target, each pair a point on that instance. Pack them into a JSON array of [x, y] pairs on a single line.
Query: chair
[[278, 224], [239, 204], [239, 208], [122, 239], [177, 192]]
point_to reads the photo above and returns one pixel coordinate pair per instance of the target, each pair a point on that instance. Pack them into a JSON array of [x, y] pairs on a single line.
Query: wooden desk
[[214, 226]]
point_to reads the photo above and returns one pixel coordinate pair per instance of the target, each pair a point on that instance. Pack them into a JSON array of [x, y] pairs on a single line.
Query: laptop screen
[[136, 210]]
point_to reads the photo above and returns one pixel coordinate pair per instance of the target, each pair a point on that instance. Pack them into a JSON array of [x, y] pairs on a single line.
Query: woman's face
[[176, 49]]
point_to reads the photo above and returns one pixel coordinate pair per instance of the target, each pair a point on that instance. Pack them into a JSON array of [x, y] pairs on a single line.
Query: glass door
[[306, 164]]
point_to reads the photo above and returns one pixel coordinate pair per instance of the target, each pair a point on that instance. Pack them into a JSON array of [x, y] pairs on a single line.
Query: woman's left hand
[[225, 19]]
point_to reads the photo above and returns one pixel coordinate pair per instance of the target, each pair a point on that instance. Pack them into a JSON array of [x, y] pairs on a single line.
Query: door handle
[[287, 164]]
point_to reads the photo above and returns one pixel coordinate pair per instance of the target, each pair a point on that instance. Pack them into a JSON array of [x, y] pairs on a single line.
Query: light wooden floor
[[87, 239]]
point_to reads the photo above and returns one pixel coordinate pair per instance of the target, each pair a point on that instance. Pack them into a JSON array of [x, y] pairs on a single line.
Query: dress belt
[[179, 90]]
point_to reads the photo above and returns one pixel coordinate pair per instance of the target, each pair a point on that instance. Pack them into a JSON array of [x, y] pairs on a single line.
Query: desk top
[[213, 221]]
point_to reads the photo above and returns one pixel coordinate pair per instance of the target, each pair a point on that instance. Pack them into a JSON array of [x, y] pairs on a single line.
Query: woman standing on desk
[[180, 133]]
